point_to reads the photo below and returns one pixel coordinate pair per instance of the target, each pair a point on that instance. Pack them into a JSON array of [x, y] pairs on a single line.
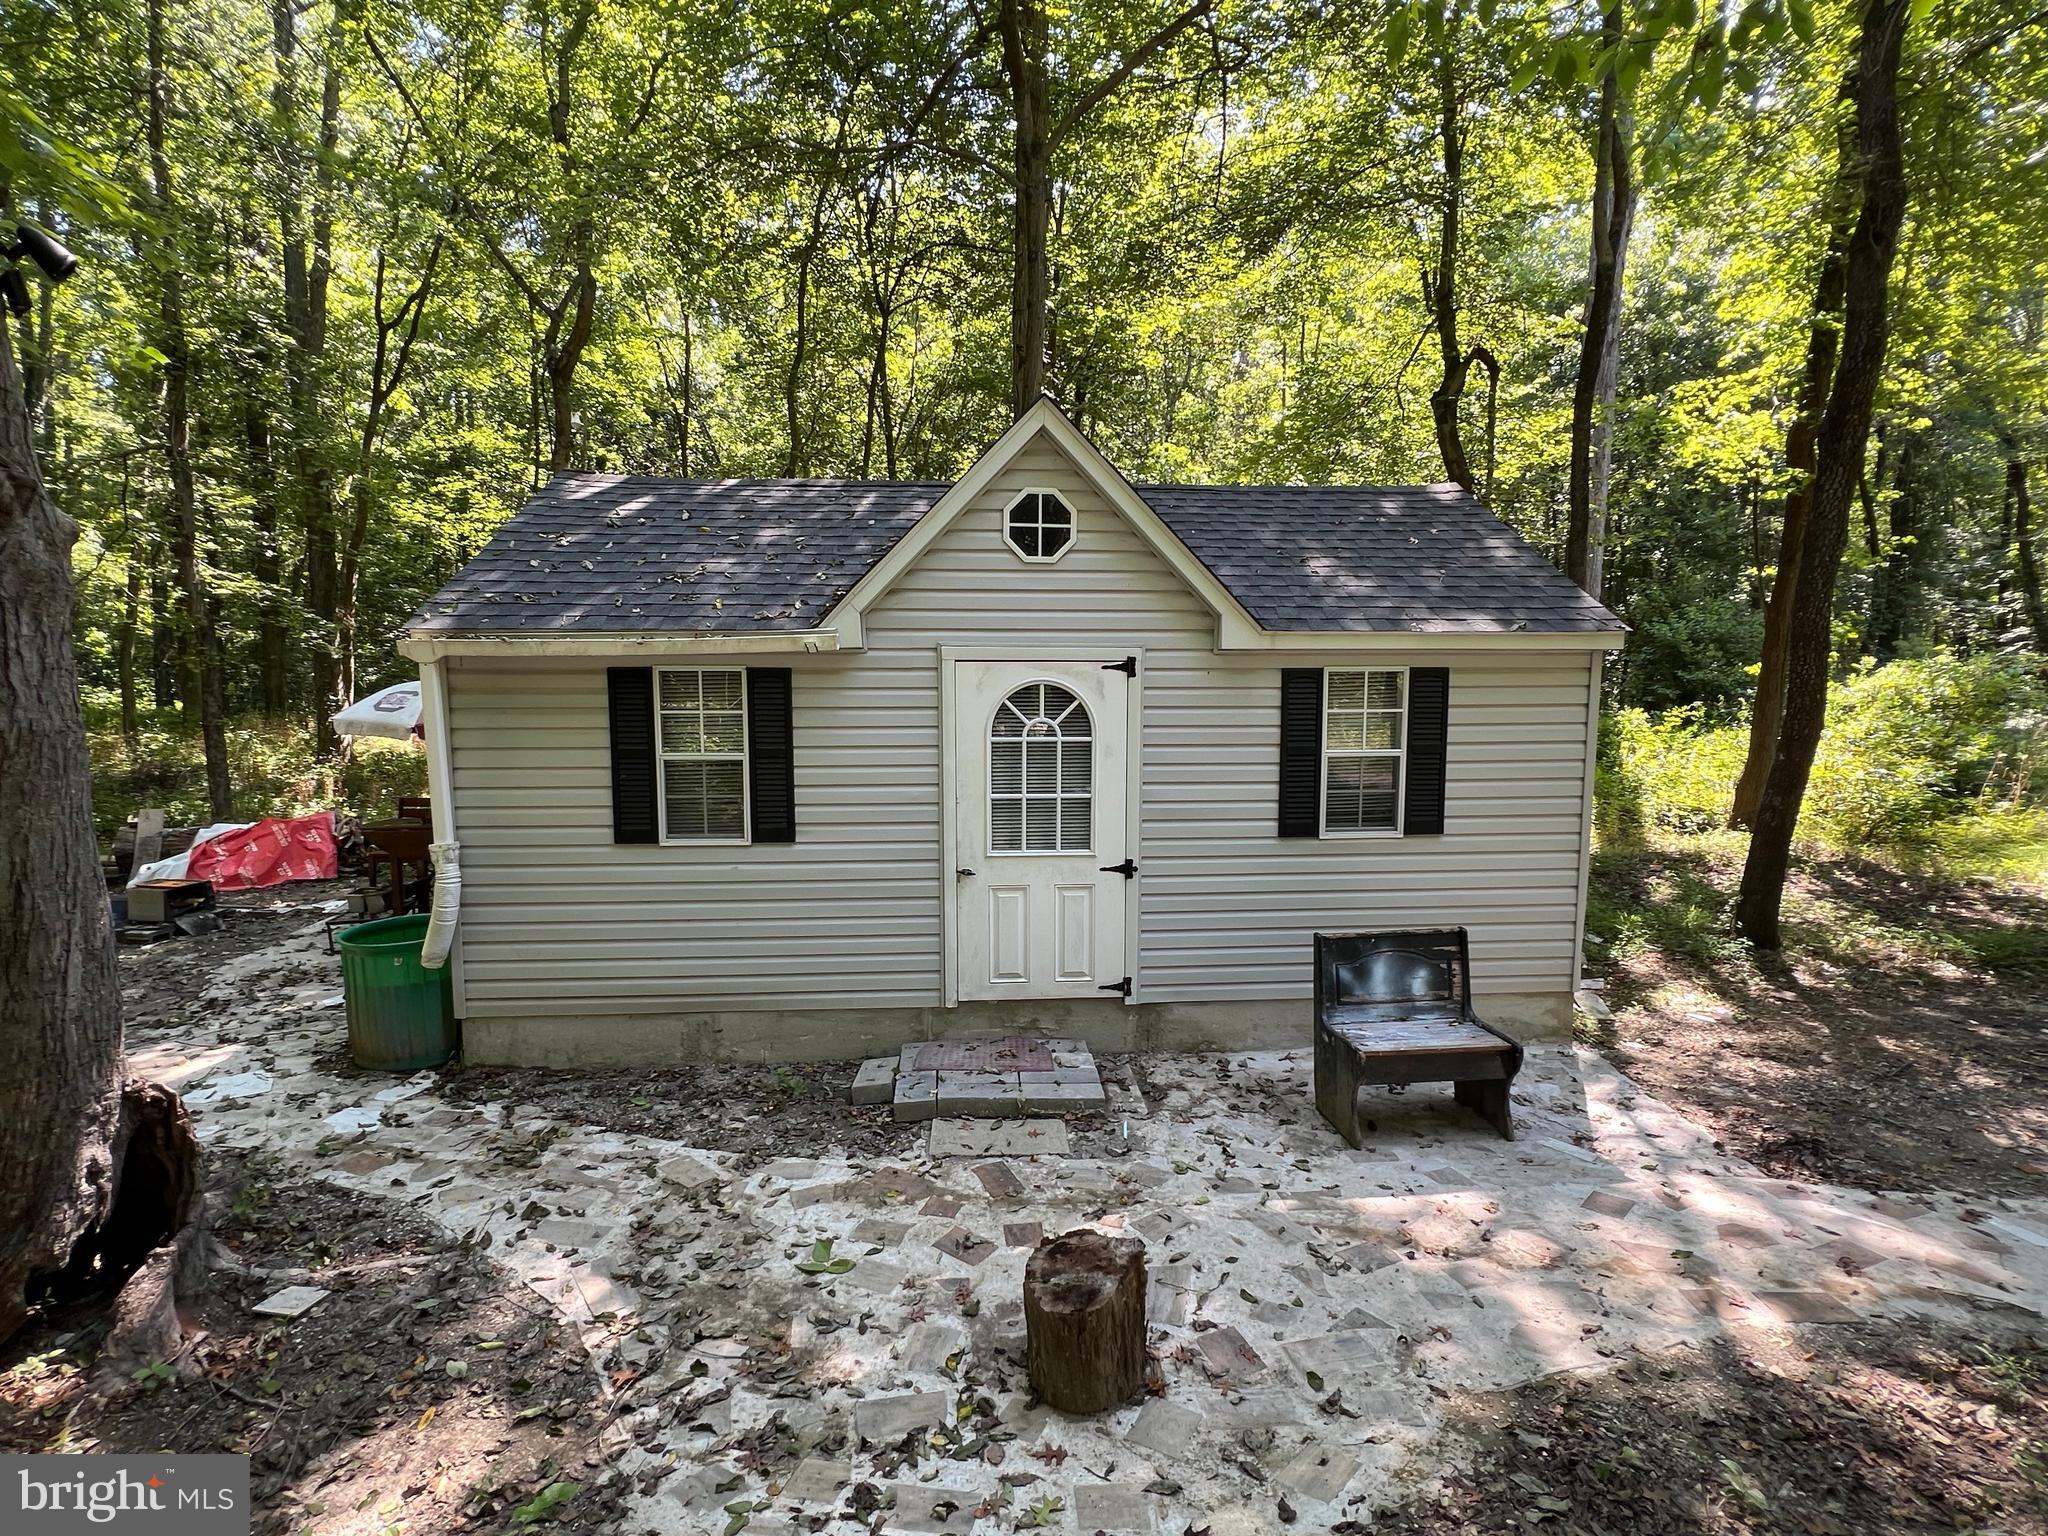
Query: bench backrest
[[1409, 965]]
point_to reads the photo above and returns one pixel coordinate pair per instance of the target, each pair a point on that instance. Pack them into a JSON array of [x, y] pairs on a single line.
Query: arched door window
[[1041, 773]]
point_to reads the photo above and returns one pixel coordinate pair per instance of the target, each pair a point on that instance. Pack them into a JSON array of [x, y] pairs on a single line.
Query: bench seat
[[1395, 1008]]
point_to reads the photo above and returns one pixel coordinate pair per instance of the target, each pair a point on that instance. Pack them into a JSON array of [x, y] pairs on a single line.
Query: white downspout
[[445, 850]]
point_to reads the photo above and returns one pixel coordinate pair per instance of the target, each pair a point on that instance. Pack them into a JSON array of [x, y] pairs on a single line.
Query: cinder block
[[917, 1095], [874, 1083]]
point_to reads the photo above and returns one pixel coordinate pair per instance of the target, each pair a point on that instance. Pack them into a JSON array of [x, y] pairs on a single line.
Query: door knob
[[964, 874]]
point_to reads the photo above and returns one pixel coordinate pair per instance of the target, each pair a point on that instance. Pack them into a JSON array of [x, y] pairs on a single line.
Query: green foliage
[[1944, 758], [271, 763]]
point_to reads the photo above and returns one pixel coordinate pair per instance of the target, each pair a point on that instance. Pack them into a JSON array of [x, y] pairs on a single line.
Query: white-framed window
[[1041, 772], [701, 742], [1038, 526], [1365, 734]]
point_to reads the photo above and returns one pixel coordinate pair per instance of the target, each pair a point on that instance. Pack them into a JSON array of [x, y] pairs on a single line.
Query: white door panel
[[1039, 762]]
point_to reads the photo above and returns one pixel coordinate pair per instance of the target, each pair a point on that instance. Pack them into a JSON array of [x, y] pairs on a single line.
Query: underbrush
[[271, 769], [1938, 765]]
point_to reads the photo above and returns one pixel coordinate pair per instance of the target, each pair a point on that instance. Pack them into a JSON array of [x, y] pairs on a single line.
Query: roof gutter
[[427, 646]]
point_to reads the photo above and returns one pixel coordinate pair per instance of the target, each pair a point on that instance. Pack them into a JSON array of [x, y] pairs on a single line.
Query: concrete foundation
[[818, 1034]]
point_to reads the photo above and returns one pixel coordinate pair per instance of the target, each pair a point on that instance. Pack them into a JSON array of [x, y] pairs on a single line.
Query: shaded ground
[[1899, 1044], [1834, 1431], [429, 1389], [758, 1112]]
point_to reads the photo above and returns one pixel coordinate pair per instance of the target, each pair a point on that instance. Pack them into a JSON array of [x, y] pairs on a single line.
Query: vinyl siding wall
[[556, 920]]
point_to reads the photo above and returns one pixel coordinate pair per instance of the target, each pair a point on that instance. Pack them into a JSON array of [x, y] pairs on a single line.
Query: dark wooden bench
[[1396, 1008]]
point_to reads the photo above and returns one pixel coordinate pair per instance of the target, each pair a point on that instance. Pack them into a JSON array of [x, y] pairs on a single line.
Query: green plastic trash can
[[401, 1016]]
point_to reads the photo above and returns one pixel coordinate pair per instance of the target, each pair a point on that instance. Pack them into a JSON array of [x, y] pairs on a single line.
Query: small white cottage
[[800, 768]]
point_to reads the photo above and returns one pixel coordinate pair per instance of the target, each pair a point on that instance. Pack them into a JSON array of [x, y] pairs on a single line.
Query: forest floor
[[1901, 1043], [598, 1302]]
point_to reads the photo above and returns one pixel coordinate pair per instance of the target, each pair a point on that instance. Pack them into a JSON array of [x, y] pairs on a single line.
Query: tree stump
[[1084, 1320]]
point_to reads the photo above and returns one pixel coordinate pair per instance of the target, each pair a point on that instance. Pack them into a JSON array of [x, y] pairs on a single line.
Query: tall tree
[[173, 344], [1040, 129], [1839, 451], [1613, 216], [1823, 344], [1440, 283]]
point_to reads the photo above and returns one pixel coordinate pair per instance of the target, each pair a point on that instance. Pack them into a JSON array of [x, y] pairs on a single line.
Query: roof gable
[[1044, 419]]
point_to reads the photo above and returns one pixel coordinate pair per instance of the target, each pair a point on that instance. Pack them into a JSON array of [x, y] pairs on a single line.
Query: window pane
[[1076, 814], [1382, 731], [1006, 826], [1347, 691], [722, 690], [679, 690], [1383, 690], [1055, 539], [1346, 731], [1054, 513], [1077, 766], [1041, 826], [725, 732], [1025, 538], [725, 799], [1006, 767], [681, 733], [1041, 767]]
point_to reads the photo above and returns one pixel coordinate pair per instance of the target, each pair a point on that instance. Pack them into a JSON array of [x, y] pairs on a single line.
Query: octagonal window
[[1039, 526]]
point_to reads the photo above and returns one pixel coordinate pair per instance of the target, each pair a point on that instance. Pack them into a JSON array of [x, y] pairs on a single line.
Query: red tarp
[[269, 853]]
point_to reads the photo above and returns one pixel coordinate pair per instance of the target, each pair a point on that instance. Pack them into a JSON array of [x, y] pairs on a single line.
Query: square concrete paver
[[1164, 1427], [890, 1418], [1111, 1507], [818, 1480], [952, 1137], [1319, 1473]]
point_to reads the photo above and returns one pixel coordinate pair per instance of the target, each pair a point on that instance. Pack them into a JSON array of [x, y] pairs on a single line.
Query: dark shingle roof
[[1403, 558], [623, 553], [616, 553]]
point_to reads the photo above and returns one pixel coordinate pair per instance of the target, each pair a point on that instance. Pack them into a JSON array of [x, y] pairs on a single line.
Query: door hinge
[[1128, 666], [1123, 986], [1128, 869]]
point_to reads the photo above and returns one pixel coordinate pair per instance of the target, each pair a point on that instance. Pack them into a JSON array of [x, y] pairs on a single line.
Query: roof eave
[[424, 645]]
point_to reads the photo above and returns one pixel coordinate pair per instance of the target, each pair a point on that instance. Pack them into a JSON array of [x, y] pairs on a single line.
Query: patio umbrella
[[393, 712]]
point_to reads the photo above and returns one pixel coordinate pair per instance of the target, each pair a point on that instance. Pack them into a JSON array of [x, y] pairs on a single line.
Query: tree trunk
[[204, 648], [1440, 287], [1897, 583], [1839, 449], [1592, 429], [124, 649], [1023, 26], [1084, 1320], [2027, 563], [306, 278], [387, 372], [60, 1009], [1823, 342]]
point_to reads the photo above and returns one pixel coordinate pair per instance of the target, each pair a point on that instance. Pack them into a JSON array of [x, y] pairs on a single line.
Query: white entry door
[[1040, 827]]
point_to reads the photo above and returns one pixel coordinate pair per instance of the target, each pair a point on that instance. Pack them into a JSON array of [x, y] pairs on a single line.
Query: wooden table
[[402, 841]]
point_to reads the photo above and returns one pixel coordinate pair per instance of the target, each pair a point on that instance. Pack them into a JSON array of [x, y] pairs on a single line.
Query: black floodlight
[[40, 247]]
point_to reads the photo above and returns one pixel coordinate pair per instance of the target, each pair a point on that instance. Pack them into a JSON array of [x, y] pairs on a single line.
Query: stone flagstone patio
[[1309, 1305]]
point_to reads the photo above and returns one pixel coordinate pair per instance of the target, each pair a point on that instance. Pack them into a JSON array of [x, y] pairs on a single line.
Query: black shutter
[[1429, 706], [1301, 752], [636, 816], [771, 765]]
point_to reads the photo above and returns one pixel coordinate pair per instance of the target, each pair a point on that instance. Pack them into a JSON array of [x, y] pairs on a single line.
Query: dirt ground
[[1901, 1043], [428, 1391], [1829, 1432]]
